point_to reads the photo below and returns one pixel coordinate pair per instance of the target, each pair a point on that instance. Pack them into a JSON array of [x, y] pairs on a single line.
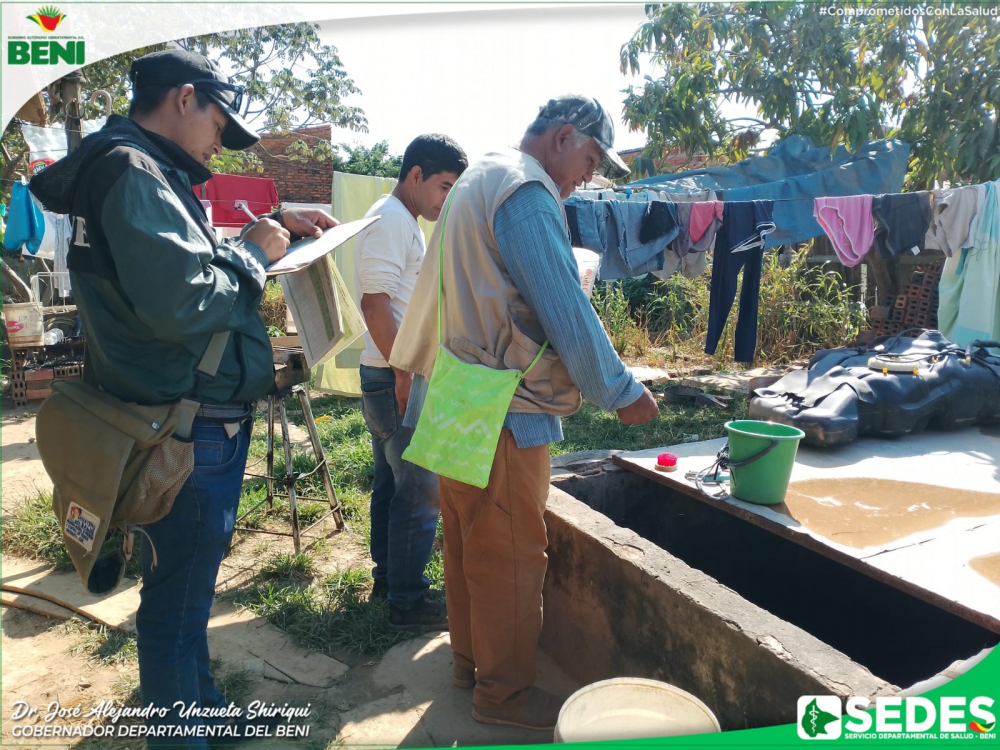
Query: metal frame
[[290, 478]]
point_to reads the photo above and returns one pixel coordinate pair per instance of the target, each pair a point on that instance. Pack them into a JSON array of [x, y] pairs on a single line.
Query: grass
[[32, 531], [298, 568], [332, 616], [592, 429], [272, 307], [802, 308], [101, 644]]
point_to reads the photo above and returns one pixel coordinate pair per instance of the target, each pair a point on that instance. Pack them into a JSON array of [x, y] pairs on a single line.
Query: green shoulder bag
[[464, 410]]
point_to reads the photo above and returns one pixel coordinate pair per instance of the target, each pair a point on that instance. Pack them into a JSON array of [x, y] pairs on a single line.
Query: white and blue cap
[[590, 118]]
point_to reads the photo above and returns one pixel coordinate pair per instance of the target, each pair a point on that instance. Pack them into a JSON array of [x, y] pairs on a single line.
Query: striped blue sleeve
[[533, 244]]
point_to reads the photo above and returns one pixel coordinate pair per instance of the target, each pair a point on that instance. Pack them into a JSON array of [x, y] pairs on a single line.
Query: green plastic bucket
[[764, 478]]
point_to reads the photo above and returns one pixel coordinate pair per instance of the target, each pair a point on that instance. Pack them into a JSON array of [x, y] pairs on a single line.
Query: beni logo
[[819, 717], [48, 18], [40, 52]]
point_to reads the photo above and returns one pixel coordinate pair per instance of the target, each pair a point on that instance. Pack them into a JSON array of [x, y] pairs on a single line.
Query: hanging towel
[[353, 195], [969, 293], [955, 218], [847, 221], [901, 221], [223, 190], [703, 215], [25, 223]]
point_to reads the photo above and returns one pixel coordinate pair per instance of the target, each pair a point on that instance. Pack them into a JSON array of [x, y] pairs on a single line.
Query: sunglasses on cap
[[231, 94]]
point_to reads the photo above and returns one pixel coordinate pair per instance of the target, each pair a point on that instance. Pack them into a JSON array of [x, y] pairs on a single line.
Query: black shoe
[[426, 614], [237, 731], [379, 592]]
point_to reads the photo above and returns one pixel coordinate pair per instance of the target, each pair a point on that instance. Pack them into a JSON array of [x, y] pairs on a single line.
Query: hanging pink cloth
[[703, 213], [847, 221]]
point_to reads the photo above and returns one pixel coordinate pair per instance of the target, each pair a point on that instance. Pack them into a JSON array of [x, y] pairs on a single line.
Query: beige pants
[[494, 568]]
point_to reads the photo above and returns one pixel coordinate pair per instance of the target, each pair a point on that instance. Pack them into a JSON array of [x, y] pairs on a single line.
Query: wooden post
[[71, 96]]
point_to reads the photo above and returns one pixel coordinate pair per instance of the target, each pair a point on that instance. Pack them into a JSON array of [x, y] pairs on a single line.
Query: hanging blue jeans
[[176, 595], [741, 223], [405, 504]]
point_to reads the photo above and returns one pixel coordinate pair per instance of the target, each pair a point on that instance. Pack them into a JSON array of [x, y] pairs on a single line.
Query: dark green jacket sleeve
[[179, 284]]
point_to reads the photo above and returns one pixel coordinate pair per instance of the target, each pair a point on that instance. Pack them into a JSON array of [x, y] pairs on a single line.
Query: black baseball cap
[[176, 67], [590, 118]]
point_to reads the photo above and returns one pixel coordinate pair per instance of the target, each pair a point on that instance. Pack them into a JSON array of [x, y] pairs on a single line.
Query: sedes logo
[[819, 717], [916, 718]]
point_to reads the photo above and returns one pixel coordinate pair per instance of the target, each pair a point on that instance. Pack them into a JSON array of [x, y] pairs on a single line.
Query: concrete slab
[[424, 708], [650, 374], [36, 605], [116, 611], [393, 721], [930, 563], [235, 636], [737, 382]]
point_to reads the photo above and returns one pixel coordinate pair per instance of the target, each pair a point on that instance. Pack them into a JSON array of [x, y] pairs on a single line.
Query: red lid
[[666, 459]]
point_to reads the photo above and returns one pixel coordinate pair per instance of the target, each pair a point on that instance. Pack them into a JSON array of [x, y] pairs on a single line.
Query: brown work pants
[[494, 567]]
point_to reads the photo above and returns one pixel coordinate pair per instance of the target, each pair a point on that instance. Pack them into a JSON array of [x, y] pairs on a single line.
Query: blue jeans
[[405, 502], [177, 594]]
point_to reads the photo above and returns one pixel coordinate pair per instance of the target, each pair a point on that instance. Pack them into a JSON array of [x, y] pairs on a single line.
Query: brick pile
[[916, 307], [296, 181], [36, 383]]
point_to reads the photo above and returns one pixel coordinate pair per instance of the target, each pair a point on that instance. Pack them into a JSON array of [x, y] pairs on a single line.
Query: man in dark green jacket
[[153, 285]]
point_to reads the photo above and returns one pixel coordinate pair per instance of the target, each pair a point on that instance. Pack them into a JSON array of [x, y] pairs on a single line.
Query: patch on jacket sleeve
[[81, 526]]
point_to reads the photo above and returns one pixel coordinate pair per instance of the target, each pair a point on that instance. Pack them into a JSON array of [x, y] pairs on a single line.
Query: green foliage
[[333, 617], [619, 318], [100, 644], [357, 159], [292, 79], [32, 531], [273, 308], [803, 308], [838, 78], [375, 161], [592, 428], [294, 568]]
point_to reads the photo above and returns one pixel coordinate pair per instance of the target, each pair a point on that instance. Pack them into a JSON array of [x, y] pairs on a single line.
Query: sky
[[480, 76]]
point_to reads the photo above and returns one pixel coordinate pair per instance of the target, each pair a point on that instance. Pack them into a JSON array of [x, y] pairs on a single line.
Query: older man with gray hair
[[510, 283]]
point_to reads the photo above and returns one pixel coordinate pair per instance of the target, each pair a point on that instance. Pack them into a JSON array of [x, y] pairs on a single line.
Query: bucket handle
[[723, 463], [729, 463]]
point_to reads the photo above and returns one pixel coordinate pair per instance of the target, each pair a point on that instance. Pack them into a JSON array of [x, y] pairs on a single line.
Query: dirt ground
[[403, 700]]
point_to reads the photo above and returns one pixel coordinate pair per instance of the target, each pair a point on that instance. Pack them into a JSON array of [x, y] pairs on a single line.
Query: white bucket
[[24, 324], [630, 708]]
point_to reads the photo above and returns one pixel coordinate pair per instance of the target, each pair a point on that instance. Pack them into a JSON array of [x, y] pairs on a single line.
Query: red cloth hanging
[[223, 190]]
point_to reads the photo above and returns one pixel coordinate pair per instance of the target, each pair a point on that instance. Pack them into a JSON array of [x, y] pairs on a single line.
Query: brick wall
[[674, 161], [296, 181]]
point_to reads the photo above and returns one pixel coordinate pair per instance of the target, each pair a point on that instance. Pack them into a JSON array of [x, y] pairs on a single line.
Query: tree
[[292, 79], [867, 71], [376, 161]]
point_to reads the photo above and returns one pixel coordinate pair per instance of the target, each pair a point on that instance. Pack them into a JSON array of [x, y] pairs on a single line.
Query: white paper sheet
[[307, 251]]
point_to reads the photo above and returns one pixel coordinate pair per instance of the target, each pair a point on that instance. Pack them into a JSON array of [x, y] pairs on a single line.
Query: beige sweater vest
[[486, 320]]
